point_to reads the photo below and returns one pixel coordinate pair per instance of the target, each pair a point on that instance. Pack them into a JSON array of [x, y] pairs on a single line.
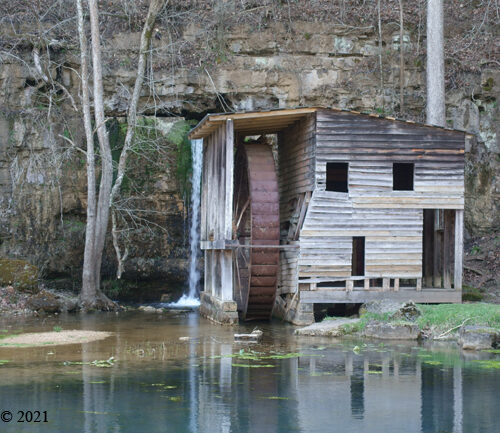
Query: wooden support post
[[419, 284], [228, 211], [438, 250], [312, 286], [459, 248], [448, 250], [428, 247], [367, 284], [226, 275], [396, 284], [386, 284], [225, 256], [349, 284]]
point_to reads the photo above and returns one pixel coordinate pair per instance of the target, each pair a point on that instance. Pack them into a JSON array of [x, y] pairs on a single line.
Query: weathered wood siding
[[296, 166], [391, 221], [372, 145], [216, 208]]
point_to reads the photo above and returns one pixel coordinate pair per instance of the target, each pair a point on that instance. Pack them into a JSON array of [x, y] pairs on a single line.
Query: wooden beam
[[459, 249], [262, 114], [211, 121], [361, 296], [229, 157]]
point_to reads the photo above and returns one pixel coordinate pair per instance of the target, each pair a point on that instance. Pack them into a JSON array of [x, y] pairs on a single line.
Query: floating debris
[[254, 337], [106, 363]]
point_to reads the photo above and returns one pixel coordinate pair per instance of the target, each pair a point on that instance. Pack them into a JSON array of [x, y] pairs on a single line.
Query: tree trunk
[[401, 59], [436, 112], [91, 296], [88, 276], [380, 52], [98, 209]]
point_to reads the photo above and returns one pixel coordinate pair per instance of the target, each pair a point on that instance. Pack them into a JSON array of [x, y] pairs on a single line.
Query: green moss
[[471, 294], [178, 136], [19, 274], [117, 289], [488, 85]]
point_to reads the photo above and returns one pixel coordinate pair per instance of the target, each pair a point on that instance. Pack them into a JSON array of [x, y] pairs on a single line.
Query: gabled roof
[[273, 121]]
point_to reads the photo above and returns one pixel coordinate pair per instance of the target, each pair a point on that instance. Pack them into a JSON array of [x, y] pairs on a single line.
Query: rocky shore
[[472, 326]]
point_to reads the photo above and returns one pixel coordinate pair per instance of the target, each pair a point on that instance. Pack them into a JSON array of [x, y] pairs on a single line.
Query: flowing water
[[191, 298], [177, 372]]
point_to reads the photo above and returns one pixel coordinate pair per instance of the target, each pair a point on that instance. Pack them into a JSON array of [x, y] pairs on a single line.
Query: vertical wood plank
[[386, 283], [438, 250], [428, 246], [349, 284], [448, 252], [367, 284], [210, 193], [203, 201], [396, 284], [459, 248], [419, 284], [226, 275], [228, 212]]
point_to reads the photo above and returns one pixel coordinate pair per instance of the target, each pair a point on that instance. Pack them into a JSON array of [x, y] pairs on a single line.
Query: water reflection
[[163, 384]]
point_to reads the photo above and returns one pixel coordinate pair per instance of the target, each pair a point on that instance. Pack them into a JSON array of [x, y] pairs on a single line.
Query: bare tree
[[401, 58], [435, 64], [98, 207], [154, 9]]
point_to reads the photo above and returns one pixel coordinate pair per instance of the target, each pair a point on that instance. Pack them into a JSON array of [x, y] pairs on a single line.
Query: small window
[[402, 176], [336, 176]]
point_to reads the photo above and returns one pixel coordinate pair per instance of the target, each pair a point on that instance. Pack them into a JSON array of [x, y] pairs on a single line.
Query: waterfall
[[191, 298]]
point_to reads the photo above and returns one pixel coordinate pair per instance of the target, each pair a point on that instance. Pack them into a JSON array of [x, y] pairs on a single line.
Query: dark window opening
[[336, 176], [402, 176], [358, 259], [331, 284], [334, 310]]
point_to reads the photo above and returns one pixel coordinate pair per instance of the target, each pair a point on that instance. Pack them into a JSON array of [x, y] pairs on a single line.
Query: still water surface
[[161, 383]]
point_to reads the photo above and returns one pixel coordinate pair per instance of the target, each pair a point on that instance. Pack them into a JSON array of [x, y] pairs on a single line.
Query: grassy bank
[[438, 318]]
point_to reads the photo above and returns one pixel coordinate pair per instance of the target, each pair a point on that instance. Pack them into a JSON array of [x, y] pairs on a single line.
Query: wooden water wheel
[[256, 223]]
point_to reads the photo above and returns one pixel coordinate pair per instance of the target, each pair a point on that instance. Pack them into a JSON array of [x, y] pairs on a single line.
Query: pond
[[177, 372]]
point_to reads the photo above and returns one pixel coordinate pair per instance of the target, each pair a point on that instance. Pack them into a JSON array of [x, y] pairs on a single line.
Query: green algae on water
[[253, 365], [489, 363], [275, 398], [433, 362]]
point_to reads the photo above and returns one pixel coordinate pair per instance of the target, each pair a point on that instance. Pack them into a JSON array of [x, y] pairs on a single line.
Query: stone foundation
[[222, 312], [298, 313]]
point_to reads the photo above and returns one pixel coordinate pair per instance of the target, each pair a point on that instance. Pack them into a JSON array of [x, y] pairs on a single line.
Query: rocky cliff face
[[245, 66]]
